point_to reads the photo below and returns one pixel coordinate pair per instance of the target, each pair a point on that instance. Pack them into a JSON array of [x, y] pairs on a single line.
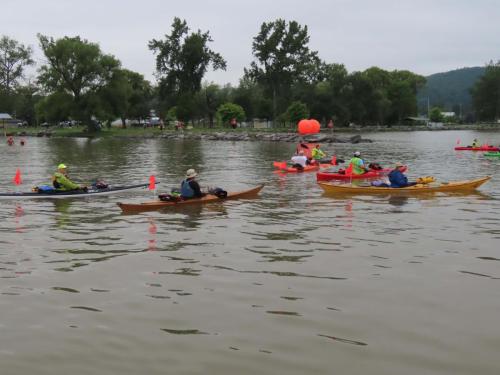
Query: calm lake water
[[292, 282]]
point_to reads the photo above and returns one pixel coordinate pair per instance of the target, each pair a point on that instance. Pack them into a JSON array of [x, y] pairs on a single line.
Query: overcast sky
[[424, 36]]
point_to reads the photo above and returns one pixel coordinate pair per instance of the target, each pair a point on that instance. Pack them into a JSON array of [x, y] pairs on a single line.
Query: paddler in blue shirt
[[190, 187], [61, 181], [397, 178]]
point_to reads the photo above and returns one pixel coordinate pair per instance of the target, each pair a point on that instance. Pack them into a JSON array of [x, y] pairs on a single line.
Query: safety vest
[[186, 190], [356, 165], [317, 153]]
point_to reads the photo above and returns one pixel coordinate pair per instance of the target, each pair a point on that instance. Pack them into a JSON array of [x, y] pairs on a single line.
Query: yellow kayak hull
[[452, 186]]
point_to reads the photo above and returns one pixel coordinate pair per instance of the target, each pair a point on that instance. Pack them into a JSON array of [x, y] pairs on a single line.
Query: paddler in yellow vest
[[61, 181], [358, 164], [317, 154]]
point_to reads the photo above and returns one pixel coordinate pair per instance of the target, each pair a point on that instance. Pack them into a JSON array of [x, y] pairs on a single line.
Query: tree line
[[285, 82]]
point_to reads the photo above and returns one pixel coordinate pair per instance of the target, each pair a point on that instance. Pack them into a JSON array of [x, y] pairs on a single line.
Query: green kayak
[[492, 154]]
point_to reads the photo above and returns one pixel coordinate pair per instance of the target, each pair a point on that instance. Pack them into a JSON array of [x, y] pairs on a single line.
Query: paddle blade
[[152, 182], [458, 141], [17, 178], [334, 160]]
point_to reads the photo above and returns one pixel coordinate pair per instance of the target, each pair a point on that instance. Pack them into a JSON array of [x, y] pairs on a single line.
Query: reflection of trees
[[62, 206], [89, 156], [178, 156]]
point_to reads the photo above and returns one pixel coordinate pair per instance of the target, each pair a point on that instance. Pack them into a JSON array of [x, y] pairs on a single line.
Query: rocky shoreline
[[229, 136], [269, 137]]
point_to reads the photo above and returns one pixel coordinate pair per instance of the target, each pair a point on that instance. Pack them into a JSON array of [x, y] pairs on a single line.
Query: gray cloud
[[422, 36]]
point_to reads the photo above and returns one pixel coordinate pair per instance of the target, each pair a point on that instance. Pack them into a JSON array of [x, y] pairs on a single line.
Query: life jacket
[[186, 189], [56, 183], [355, 165], [317, 153]]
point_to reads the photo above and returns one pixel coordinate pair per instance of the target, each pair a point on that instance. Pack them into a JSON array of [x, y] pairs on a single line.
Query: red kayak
[[481, 148], [283, 167], [327, 176]]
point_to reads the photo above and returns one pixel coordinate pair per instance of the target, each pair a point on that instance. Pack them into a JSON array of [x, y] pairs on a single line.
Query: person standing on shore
[[233, 123]]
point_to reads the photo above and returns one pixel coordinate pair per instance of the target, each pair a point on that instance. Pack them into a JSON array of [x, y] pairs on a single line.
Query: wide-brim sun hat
[[398, 165], [191, 173], [61, 166], [357, 153]]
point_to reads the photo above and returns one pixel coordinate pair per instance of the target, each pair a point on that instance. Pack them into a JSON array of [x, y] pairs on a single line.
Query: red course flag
[[17, 178], [152, 182], [458, 141]]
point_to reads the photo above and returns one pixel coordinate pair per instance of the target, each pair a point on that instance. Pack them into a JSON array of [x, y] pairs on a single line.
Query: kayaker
[[299, 161], [358, 164], [397, 177], [61, 181], [475, 143], [190, 187], [317, 154]]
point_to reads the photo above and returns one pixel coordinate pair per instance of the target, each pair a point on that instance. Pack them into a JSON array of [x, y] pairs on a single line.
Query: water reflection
[[19, 213], [294, 265], [62, 207], [398, 201]]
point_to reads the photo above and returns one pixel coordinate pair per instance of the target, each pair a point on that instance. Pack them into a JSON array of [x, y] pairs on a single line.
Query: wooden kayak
[[158, 204], [481, 148], [452, 186], [111, 189]]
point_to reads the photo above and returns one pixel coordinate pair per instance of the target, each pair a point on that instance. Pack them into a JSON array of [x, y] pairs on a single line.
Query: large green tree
[[282, 58], [14, 57], [126, 96], [486, 93], [79, 69], [182, 60]]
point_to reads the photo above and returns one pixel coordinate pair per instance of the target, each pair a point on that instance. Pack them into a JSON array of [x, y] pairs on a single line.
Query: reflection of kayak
[[327, 176], [452, 186], [72, 194], [492, 154], [158, 204], [482, 148], [284, 168]]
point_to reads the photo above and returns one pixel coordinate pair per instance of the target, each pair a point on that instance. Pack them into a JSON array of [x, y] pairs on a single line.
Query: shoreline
[[340, 135]]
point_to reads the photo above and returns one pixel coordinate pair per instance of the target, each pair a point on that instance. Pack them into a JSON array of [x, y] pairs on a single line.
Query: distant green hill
[[450, 90]]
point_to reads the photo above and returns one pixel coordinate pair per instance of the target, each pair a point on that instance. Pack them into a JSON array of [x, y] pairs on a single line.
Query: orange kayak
[[158, 204]]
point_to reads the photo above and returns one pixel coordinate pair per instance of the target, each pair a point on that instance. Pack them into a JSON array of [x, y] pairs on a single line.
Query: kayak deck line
[[111, 189], [158, 204]]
